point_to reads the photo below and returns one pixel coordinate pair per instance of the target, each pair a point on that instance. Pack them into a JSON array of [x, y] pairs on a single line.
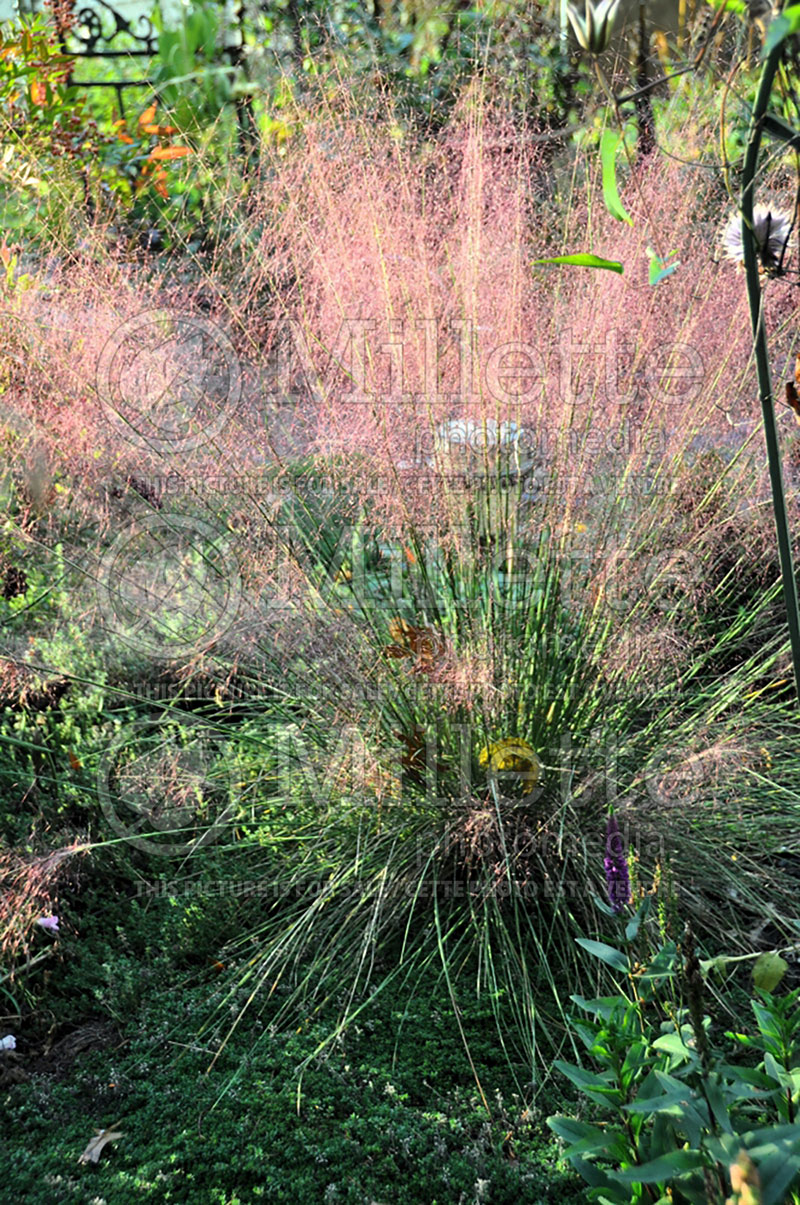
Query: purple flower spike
[[48, 922], [616, 866]]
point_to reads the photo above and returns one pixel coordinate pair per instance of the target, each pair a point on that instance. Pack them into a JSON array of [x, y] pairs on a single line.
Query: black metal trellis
[[92, 32]]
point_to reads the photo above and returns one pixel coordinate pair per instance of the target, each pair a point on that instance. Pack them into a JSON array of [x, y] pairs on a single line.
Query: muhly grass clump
[[484, 589]]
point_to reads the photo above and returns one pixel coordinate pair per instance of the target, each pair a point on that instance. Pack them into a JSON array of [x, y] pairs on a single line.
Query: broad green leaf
[[583, 260], [585, 1139], [601, 1006], [673, 1043], [581, 1078], [614, 958], [609, 142], [768, 971], [663, 1168], [760, 1143], [675, 1102], [742, 1080], [597, 1177], [768, 1026], [782, 27], [778, 1073], [778, 1172], [716, 1100]]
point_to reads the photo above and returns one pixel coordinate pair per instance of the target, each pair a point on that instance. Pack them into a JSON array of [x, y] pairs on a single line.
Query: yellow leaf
[[38, 92]]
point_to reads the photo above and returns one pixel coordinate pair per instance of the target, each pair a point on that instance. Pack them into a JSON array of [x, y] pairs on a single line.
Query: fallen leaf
[[424, 645], [95, 1148]]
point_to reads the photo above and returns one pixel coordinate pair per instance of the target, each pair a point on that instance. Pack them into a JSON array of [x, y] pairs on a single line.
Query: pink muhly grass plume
[[401, 260]]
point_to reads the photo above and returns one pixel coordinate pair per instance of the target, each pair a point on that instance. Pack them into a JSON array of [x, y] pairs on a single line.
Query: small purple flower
[[616, 867], [48, 922]]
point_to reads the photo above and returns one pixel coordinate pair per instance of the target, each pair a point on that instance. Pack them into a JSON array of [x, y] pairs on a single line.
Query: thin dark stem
[[761, 353]]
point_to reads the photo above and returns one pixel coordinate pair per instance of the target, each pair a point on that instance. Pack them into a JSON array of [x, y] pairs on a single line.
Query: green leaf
[[760, 1143], [607, 954], [659, 270], [663, 965], [585, 1139], [673, 1043], [782, 27], [583, 260], [675, 1102], [775, 1071], [598, 1178], [601, 1006], [632, 927], [768, 1026], [768, 971], [778, 1172], [581, 1078], [636, 1058], [663, 1168], [609, 142], [716, 1100], [602, 906], [575, 1132]]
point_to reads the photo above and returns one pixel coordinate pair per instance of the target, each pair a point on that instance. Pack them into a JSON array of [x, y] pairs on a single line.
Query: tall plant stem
[[755, 300]]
